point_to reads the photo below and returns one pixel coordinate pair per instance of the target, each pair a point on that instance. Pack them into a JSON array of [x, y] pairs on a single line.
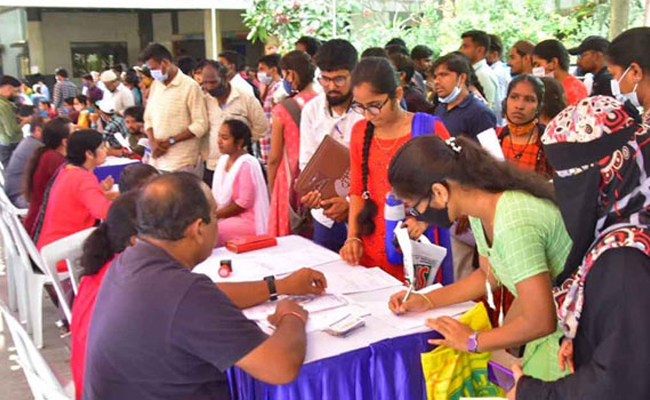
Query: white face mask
[[264, 78], [158, 75], [540, 72], [78, 107], [623, 97], [451, 96]]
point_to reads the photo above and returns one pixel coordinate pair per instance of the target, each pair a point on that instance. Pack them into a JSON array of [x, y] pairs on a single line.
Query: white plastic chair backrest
[[69, 249], [27, 250], [4, 199], [39, 375], [2, 176]]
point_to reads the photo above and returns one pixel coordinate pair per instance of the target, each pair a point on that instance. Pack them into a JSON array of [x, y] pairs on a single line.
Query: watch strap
[[472, 343], [270, 283]]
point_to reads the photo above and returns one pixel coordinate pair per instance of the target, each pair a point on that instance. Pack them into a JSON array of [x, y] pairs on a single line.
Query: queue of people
[[222, 155]]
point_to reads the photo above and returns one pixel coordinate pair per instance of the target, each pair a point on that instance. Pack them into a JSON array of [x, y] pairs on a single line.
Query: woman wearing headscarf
[[601, 154]]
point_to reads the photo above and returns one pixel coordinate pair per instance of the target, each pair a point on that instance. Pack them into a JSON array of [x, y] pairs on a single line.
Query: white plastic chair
[[42, 381], [35, 281], [2, 175], [5, 199], [14, 270], [69, 249]]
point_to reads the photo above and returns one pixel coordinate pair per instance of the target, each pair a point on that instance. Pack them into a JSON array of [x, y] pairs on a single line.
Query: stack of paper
[[359, 280], [323, 311]]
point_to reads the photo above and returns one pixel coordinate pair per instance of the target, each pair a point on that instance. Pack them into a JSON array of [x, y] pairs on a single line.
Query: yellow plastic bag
[[452, 374]]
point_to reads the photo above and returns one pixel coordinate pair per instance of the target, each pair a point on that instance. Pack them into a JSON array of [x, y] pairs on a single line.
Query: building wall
[[59, 29], [12, 30]]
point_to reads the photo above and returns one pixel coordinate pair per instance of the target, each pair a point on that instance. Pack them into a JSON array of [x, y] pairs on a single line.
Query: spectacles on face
[[373, 110], [414, 209], [339, 81]]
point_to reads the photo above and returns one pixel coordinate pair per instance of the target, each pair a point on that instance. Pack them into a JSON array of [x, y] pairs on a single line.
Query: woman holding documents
[[521, 138], [374, 141], [520, 235], [238, 185]]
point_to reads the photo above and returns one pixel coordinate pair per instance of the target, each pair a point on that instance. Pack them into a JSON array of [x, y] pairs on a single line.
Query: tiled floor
[[13, 384]]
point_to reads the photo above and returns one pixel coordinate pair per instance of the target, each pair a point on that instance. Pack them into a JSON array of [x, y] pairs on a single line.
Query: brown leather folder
[[328, 171]]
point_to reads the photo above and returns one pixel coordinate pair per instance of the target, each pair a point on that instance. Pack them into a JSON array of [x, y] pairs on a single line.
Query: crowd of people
[[557, 235]]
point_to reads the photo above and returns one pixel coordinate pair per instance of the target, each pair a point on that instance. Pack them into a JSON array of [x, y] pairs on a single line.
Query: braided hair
[[366, 217], [380, 75]]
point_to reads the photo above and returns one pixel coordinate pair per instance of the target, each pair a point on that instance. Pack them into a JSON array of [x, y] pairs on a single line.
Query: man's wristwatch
[[171, 141], [472, 343], [270, 282]]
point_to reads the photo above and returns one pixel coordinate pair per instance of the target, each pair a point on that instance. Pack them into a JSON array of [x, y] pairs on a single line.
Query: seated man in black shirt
[[160, 331]]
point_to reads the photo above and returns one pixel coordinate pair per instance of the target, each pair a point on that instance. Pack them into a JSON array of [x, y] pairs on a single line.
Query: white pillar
[[36, 49], [213, 26]]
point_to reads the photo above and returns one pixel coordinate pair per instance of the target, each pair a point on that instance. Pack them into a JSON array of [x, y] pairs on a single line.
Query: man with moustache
[[329, 114], [225, 101]]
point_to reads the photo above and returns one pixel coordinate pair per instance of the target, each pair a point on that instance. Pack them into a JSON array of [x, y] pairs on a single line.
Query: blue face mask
[[287, 86], [452, 96], [91, 109]]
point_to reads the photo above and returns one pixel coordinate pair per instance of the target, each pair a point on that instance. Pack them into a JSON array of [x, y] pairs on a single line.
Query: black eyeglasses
[[338, 81], [373, 110], [413, 211]]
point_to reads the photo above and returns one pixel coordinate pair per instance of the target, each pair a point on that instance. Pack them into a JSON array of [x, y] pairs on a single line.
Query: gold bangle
[[353, 238], [432, 306]]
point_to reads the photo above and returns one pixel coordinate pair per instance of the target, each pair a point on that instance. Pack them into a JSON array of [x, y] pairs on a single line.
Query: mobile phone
[[500, 376]]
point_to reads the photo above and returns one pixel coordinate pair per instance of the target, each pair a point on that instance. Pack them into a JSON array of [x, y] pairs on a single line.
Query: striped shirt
[[62, 91], [171, 109], [265, 142]]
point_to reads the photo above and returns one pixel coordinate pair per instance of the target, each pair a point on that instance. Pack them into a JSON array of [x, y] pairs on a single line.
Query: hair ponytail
[[97, 250], [365, 219], [428, 159], [112, 236]]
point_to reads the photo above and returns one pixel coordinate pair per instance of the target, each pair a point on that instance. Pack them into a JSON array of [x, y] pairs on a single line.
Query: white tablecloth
[[304, 253]]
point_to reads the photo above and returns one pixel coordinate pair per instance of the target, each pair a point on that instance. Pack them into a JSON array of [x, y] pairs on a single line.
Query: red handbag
[[251, 243]]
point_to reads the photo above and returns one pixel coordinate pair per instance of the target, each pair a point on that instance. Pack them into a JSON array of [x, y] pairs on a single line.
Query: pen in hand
[[408, 293]]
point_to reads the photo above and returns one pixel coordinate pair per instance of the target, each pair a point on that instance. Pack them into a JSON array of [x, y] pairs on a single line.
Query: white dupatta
[[223, 182]]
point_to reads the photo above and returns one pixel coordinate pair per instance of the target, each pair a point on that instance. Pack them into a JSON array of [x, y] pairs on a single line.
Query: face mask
[[437, 217], [452, 96], [158, 75], [264, 78], [78, 108], [623, 97], [91, 109], [287, 86], [540, 72], [219, 91]]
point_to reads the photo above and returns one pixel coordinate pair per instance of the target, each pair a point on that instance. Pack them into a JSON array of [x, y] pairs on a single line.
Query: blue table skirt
[[387, 370]]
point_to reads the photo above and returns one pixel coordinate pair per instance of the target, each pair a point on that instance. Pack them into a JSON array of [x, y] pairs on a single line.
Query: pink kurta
[[279, 213], [243, 194]]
